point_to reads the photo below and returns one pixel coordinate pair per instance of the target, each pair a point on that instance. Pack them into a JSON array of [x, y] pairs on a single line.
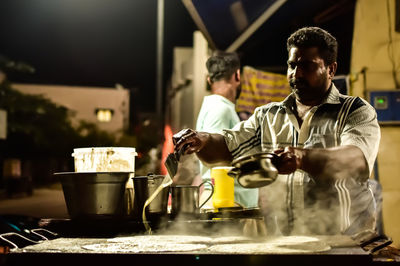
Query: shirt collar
[[223, 99]]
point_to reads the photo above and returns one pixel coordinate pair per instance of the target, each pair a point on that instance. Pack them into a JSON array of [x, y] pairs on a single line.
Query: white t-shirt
[[218, 113]]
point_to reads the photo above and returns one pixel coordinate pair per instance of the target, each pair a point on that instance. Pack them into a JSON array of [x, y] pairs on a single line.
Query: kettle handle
[[212, 192]]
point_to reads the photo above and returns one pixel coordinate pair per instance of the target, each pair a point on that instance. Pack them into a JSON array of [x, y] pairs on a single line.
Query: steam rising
[[314, 209], [248, 227]]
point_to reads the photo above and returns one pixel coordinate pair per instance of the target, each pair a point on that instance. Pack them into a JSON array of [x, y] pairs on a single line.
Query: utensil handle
[[209, 197], [234, 172]]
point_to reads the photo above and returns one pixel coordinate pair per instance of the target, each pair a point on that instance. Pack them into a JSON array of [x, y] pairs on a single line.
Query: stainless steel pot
[[97, 195], [256, 170], [144, 187]]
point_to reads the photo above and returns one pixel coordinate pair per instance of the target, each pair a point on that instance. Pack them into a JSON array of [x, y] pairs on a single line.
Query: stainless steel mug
[[185, 199]]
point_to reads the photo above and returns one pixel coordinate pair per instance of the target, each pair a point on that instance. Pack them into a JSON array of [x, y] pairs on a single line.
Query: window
[[104, 115]]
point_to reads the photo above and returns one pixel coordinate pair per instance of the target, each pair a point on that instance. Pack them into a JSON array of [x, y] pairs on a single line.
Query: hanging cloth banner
[[259, 88]]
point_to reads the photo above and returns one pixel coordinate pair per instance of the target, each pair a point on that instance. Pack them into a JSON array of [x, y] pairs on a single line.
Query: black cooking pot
[[95, 195], [256, 170]]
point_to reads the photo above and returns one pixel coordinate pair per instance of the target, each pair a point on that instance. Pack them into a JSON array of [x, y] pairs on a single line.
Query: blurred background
[[127, 73]]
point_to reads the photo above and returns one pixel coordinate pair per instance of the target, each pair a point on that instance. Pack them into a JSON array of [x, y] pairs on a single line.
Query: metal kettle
[[256, 170]]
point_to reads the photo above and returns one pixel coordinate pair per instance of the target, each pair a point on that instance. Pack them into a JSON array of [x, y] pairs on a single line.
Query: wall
[[182, 74], [84, 101], [370, 51], [200, 56], [189, 83]]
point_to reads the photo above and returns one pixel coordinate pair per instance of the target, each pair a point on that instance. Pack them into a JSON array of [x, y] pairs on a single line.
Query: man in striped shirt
[[326, 144]]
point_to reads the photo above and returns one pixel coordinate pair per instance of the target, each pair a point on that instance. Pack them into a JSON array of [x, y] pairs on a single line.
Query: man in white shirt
[[218, 111]]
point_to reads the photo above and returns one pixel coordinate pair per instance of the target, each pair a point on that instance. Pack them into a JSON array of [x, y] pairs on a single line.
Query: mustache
[[298, 82]]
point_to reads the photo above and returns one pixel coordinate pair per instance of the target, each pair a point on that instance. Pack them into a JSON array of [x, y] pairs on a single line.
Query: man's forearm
[[334, 163], [215, 151]]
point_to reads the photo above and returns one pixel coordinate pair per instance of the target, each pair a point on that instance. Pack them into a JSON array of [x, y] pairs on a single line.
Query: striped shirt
[[296, 202]]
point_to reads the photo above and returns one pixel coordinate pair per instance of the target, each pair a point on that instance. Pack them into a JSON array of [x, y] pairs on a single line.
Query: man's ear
[[332, 69], [209, 80], [237, 75]]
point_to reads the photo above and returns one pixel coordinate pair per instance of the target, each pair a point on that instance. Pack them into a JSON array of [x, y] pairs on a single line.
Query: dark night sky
[[104, 42], [93, 42]]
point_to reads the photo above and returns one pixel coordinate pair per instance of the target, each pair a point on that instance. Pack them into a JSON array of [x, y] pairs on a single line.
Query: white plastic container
[[104, 159]]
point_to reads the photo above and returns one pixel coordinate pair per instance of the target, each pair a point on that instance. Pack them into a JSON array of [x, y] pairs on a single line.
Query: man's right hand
[[210, 148], [189, 140]]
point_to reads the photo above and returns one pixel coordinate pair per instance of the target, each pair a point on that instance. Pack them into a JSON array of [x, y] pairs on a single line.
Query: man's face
[[307, 74]]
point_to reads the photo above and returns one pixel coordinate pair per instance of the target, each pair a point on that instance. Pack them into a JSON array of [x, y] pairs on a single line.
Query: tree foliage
[[38, 127]]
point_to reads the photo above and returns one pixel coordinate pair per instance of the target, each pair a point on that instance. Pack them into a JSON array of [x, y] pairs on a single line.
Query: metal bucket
[[95, 195], [144, 187]]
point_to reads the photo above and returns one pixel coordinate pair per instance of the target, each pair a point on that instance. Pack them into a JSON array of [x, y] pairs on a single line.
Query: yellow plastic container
[[223, 187]]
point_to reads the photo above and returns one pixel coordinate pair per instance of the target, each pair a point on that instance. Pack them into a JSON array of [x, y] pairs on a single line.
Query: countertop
[[194, 250]]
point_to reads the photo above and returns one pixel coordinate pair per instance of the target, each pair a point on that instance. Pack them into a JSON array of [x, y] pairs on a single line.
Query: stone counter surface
[[177, 250], [196, 244]]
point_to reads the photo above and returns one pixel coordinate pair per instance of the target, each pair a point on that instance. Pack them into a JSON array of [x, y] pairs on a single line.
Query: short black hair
[[315, 37], [222, 65]]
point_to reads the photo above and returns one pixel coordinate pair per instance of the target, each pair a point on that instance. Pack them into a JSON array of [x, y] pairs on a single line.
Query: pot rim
[[148, 176], [252, 158], [94, 172], [184, 186]]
